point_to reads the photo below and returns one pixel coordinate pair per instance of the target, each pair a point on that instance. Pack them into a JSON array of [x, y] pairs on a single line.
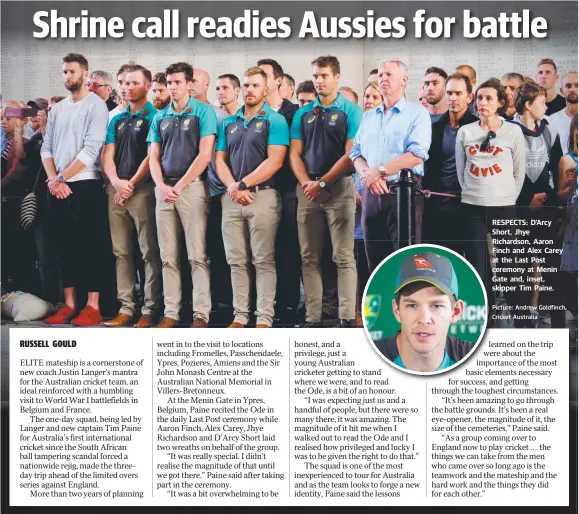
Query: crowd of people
[[152, 201]]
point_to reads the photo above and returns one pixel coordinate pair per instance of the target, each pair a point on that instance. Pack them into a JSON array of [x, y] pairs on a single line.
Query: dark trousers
[[82, 238], [477, 221], [363, 272], [288, 261], [47, 259], [380, 223], [221, 291], [440, 225]]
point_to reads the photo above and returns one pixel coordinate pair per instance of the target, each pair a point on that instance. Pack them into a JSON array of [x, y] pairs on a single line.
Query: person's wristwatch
[[242, 186], [382, 170], [60, 178], [322, 184]]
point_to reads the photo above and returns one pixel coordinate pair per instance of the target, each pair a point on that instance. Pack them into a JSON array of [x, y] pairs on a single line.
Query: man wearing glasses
[[100, 84]]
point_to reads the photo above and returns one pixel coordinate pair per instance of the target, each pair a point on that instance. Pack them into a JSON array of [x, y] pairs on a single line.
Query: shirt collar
[[263, 112], [398, 106], [338, 102], [147, 107], [190, 105]]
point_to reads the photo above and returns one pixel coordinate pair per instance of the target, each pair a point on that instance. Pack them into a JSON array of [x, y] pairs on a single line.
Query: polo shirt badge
[[258, 126], [234, 128], [311, 119], [121, 126], [164, 125], [261, 113], [316, 111], [333, 119], [186, 124], [188, 109], [145, 112]]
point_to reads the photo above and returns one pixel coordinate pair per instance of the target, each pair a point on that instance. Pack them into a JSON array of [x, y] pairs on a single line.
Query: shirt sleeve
[[296, 130], [207, 122], [95, 134], [519, 159], [154, 135], [46, 150], [356, 150], [353, 118], [420, 135], [221, 145], [278, 131], [460, 157], [111, 133]]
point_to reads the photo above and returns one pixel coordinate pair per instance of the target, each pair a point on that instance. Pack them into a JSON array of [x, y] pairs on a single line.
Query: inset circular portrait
[[425, 309]]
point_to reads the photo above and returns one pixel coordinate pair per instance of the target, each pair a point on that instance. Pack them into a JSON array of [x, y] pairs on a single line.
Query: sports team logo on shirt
[[311, 119], [234, 128], [121, 126], [186, 124], [422, 263], [333, 119], [258, 127], [164, 125], [372, 304], [139, 123]]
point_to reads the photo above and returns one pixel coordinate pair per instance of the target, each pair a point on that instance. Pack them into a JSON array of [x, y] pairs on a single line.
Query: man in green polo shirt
[[182, 138], [251, 148], [131, 200], [426, 304], [322, 135]]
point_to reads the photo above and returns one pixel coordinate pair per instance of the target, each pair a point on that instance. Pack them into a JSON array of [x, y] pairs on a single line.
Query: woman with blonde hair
[[372, 96]]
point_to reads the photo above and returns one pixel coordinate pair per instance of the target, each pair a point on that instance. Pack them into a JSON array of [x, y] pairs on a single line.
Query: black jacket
[[285, 179], [457, 349], [433, 177]]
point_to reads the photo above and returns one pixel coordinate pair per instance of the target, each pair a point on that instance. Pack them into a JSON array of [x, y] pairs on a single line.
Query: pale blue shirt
[[385, 135]]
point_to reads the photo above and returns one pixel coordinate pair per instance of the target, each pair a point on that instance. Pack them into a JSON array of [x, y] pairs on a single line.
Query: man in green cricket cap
[[426, 304]]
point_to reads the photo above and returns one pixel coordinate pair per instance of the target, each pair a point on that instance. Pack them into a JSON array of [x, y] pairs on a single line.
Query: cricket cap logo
[[372, 304], [422, 263]]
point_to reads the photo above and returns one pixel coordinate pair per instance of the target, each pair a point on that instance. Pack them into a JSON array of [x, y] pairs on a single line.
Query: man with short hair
[[70, 153], [511, 82], [562, 120], [161, 98], [121, 90], [219, 270], [306, 93], [182, 137], [426, 304], [470, 72], [441, 212], [287, 252], [322, 135], [373, 75], [349, 94], [393, 136], [251, 149], [228, 88], [434, 84], [547, 78], [287, 87], [131, 200], [100, 84]]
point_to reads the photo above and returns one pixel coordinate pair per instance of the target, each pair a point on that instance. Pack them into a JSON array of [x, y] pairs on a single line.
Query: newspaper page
[[407, 171]]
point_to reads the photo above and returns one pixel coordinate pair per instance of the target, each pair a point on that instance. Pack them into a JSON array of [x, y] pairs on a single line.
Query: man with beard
[[470, 72], [547, 77], [228, 88], [434, 84], [70, 154], [161, 98], [511, 82], [322, 135], [250, 150], [287, 251], [562, 120], [182, 137], [441, 212], [132, 201]]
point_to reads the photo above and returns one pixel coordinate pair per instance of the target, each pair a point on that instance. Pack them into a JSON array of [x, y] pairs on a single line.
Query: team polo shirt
[[447, 362], [246, 141], [324, 132], [179, 135], [129, 134]]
